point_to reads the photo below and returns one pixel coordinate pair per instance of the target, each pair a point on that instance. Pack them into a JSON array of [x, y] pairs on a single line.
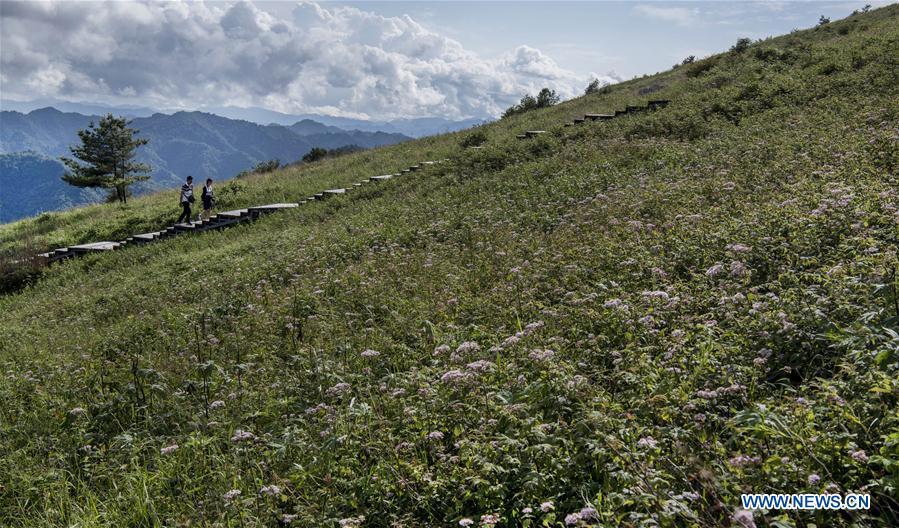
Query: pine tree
[[107, 152]]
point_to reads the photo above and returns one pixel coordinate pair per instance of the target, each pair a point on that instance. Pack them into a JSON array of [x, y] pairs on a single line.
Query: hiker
[[208, 200], [187, 198]]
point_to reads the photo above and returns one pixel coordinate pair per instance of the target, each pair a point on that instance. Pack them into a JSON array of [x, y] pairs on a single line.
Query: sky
[[369, 59]]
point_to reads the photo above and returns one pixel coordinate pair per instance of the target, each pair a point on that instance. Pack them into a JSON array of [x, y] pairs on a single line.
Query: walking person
[[187, 198], [208, 199]]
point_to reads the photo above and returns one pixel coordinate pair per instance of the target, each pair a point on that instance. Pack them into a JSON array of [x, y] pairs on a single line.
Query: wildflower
[[647, 442], [572, 518], [527, 511], [714, 271], [481, 365], [541, 355], [587, 514], [859, 456], [738, 269], [743, 460], [466, 522], [370, 353], [707, 394], [271, 491], [441, 349], [613, 303], [231, 495], [217, 404], [511, 341], [78, 411], [658, 294], [468, 346], [243, 436], [813, 479], [743, 518], [351, 522], [288, 518], [738, 248], [532, 327], [453, 376], [435, 436], [547, 506], [338, 390], [489, 519], [168, 450]]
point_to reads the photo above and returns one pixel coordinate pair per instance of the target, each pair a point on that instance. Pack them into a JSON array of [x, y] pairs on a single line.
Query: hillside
[[618, 323], [203, 145]]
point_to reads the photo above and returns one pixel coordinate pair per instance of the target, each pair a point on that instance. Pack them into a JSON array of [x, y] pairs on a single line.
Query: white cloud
[[336, 60], [679, 15]]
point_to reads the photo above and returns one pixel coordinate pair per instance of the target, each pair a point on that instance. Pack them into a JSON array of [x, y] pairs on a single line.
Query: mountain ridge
[[201, 144]]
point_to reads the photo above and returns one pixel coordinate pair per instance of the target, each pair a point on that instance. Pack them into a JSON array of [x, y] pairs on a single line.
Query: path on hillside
[[236, 216]]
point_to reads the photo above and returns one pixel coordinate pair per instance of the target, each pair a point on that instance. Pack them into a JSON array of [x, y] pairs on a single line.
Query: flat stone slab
[[579, 120], [236, 213], [95, 246], [521, 136], [381, 178], [335, 191], [146, 237], [273, 207], [532, 133]]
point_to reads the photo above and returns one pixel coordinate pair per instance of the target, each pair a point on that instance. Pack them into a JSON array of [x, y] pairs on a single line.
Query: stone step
[[578, 120], [146, 237], [95, 246], [270, 208], [236, 213], [334, 192], [380, 178], [534, 133]]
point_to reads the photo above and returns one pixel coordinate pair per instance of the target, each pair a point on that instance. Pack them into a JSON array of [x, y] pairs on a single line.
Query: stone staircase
[[217, 221]]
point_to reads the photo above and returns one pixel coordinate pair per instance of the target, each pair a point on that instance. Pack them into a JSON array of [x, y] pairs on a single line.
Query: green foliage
[[473, 139], [741, 46], [316, 154], [544, 99], [105, 158], [642, 318], [595, 87]]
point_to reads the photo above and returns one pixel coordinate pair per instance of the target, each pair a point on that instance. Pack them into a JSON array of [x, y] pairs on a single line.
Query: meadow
[[623, 323]]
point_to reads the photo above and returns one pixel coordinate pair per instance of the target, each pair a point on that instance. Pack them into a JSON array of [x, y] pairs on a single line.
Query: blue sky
[[631, 38], [378, 60]]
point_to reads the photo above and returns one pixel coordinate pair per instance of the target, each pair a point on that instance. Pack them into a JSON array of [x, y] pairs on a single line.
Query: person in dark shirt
[[187, 198], [208, 199]]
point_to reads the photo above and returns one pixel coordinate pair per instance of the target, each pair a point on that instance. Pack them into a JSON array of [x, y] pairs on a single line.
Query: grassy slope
[[685, 368]]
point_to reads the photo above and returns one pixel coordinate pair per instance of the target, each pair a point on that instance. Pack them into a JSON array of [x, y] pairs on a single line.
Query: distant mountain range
[[413, 127], [195, 143]]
